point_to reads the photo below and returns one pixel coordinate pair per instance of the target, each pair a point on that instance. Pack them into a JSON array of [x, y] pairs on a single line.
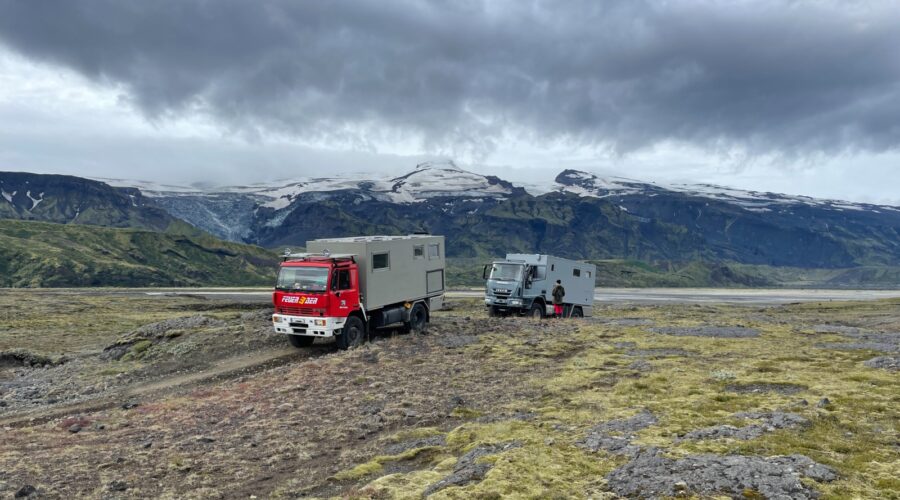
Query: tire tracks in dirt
[[221, 370]]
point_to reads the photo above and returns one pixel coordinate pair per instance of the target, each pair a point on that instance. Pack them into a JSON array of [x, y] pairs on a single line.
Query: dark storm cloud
[[785, 77]]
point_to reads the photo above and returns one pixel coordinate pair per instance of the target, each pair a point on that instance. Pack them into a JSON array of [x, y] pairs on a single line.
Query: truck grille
[[502, 292], [299, 311]]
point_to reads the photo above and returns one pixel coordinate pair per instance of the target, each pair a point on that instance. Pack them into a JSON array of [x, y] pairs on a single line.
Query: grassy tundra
[[651, 401]]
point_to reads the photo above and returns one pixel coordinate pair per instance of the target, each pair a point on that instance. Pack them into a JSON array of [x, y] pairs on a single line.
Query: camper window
[[381, 261], [576, 272]]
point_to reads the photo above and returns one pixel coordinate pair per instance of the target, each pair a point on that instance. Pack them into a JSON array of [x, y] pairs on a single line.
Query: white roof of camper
[[367, 239]]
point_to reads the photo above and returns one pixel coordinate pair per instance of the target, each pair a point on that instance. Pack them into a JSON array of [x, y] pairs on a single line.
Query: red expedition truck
[[347, 287]]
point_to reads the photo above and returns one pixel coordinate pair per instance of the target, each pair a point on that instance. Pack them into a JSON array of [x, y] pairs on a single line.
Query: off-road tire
[[577, 313], [352, 334], [301, 340], [493, 312], [418, 318], [536, 311]]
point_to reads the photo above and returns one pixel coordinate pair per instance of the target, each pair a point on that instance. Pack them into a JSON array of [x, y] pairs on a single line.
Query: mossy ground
[[326, 426], [72, 322], [584, 379]]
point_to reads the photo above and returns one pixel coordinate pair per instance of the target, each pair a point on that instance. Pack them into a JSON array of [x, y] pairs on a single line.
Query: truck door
[[345, 289], [535, 276]]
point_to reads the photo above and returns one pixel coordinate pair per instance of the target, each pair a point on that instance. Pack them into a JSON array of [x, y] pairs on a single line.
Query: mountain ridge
[[569, 180], [46, 254], [67, 199], [584, 216]]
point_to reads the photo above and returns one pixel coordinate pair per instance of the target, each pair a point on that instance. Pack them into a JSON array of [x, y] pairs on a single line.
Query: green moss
[[463, 412], [141, 346], [376, 464], [402, 486], [112, 371], [361, 470]]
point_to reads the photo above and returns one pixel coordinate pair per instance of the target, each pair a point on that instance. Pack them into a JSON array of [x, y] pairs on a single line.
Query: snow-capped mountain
[[236, 212], [67, 199], [591, 185], [432, 180], [580, 214], [427, 181]]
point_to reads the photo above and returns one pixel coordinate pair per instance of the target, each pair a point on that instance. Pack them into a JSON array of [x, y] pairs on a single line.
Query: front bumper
[[309, 326], [504, 302]]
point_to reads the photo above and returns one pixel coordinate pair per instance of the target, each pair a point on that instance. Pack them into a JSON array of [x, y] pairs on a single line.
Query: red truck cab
[[314, 295]]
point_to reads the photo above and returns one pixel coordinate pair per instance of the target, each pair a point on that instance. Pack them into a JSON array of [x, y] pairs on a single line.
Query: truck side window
[[540, 272], [434, 251], [381, 260], [344, 279], [419, 252], [576, 272]]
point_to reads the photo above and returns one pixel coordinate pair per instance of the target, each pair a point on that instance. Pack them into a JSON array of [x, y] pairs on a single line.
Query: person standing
[[558, 294]]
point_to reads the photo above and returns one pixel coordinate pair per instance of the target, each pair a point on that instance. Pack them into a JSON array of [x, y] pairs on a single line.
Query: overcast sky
[[792, 96]]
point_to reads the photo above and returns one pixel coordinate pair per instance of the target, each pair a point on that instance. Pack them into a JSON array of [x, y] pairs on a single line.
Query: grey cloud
[[790, 77]]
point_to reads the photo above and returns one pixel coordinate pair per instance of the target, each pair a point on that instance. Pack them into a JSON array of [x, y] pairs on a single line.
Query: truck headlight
[[515, 302], [320, 322], [276, 318], [487, 301]]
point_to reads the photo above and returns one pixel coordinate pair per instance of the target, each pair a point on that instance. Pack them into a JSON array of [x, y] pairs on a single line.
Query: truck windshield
[[308, 279], [506, 272]]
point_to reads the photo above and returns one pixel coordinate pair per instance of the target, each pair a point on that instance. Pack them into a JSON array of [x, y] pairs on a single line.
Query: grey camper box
[[393, 269]]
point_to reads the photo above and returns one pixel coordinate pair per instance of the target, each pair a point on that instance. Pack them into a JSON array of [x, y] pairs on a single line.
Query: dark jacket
[[558, 293]]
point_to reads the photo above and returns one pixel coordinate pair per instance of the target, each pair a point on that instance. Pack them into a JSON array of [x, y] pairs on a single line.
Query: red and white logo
[[300, 300]]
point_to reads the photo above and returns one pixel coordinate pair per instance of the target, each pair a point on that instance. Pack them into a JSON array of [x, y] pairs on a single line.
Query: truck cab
[[515, 287], [314, 295]]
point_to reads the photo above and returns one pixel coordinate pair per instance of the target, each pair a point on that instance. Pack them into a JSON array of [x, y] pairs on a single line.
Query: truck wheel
[[418, 316], [537, 311], [301, 340], [352, 334], [577, 313], [493, 312]]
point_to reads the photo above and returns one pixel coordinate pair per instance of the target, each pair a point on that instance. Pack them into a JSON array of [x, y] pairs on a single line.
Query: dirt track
[[221, 370]]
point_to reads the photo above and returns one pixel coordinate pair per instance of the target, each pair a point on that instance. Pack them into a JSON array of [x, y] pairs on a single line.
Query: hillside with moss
[[66, 199], [41, 254]]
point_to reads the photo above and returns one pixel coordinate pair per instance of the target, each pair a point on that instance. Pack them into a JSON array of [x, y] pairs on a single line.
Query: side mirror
[[484, 272]]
